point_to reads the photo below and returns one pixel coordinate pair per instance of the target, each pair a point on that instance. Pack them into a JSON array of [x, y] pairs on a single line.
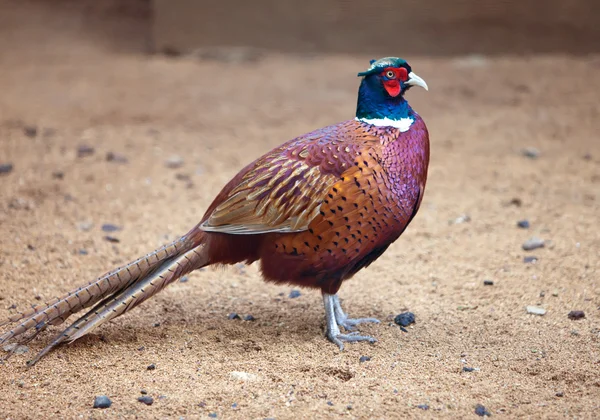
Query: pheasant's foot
[[343, 320], [334, 316]]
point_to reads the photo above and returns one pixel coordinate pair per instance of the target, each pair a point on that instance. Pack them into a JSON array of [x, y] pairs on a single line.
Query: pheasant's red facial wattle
[[392, 78]]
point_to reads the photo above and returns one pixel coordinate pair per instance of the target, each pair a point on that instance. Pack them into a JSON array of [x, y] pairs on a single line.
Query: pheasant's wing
[[283, 190]]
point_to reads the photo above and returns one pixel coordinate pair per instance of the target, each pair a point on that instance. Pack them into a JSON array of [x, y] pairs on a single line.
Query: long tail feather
[[129, 297], [104, 289]]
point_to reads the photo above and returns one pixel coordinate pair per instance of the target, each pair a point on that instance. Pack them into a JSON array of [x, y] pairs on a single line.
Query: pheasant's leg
[[349, 324], [333, 331]]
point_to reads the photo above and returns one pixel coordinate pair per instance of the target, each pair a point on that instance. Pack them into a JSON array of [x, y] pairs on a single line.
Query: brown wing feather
[[283, 191]]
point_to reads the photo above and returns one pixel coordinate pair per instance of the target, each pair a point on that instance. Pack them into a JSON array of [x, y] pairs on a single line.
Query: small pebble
[[536, 310], [30, 130], [85, 150], [469, 369], [6, 168], [58, 175], [184, 279], [488, 283], [212, 415], [151, 367], [174, 162], [108, 227], [423, 406], [156, 324], [243, 376], [112, 239], [102, 401], [480, 410], [465, 218], [83, 251], [364, 359], [146, 400], [249, 318], [517, 202], [233, 315], [294, 294], [116, 158], [523, 224], [530, 152], [530, 259], [560, 394], [533, 243], [329, 403], [85, 226], [575, 315], [143, 392], [405, 319], [234, 405]]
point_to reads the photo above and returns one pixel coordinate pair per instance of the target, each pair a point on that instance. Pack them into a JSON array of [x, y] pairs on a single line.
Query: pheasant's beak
[[414, 80]]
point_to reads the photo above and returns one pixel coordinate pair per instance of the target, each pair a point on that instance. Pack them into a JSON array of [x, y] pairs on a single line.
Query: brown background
[[80, 73]]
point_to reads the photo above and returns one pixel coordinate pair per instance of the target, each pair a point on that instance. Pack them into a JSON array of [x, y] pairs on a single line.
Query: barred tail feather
[[108, 286], [130, 296]]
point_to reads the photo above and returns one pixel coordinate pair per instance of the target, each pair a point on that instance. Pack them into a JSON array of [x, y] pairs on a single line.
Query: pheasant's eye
[[390, 74]]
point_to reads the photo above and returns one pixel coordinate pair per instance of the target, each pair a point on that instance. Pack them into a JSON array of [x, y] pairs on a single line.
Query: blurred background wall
[[428, 27], [406, 27]]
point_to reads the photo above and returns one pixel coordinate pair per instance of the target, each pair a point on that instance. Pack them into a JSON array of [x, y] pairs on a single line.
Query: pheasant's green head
[[384, 83]]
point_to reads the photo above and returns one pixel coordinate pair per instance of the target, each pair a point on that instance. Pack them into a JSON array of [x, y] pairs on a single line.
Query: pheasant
[[314, 211]]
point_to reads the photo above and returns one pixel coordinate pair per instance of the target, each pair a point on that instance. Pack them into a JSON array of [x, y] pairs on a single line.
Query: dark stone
[[212, 415], [143, 392], [530, 259], [151, 367], [294, 294], [108, 227], [112, 239], [364, 359], [184, 279], [58, 175], [146, 400], [249, 318], [30, 130], [405, 319], [575, 315], [480, 410], [488, 283], [468, 369], [423, 406], [560, 394], [83, 251], [116, 158], [233, 315], [102, 401], [329, 403], [85, 150], [6, 168], [523, 224]]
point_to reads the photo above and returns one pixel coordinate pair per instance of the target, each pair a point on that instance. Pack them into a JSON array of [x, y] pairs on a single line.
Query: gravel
[[533, 243], [575, 315], [146, 400], [536, 310], [405, 319], [102, 401]]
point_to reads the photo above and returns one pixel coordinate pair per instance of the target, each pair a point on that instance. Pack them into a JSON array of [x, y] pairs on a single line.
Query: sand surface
[[217, 116]]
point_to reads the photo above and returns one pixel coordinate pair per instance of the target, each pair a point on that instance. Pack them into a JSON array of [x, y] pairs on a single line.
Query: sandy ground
[[219, 115]]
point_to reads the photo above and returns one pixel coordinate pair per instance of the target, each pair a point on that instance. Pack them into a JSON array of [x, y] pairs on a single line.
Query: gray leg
[[334, 315]]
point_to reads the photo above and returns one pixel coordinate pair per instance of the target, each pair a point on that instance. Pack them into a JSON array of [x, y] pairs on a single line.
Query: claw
[[336, 317]]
